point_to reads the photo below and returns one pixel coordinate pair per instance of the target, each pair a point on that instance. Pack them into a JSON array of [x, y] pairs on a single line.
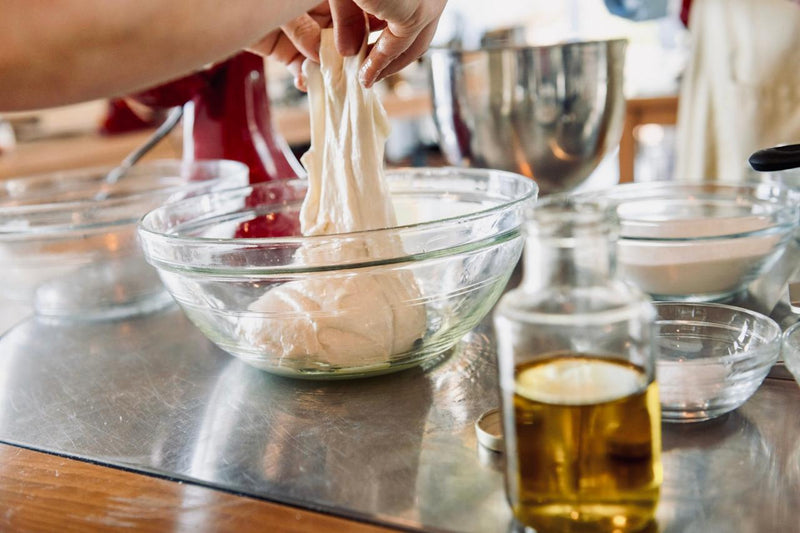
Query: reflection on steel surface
[[152, 394], [548, 112]]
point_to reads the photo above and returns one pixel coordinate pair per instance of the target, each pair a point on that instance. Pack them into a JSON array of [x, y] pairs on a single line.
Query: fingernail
[[364, 76]]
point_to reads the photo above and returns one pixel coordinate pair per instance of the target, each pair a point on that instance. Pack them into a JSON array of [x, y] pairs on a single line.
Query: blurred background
[[102, 132]]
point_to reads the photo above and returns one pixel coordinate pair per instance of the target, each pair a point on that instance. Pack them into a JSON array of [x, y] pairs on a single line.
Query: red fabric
[[685, 8]]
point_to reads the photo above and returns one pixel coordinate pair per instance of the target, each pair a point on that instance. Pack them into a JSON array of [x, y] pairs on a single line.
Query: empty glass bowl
[[345, 305], [68, 244], [790, 350], [700, 242], [711, 357]]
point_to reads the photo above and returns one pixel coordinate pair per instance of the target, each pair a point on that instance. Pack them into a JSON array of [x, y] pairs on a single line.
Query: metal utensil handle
[[163, 130], [776, 158]]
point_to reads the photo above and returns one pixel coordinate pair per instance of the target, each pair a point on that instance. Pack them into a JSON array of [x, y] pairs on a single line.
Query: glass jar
[[576, 362]]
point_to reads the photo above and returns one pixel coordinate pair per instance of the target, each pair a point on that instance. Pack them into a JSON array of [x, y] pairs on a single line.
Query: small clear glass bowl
[[700, 242], [344, 305], [68, 244], [711, 357], [790, 350]]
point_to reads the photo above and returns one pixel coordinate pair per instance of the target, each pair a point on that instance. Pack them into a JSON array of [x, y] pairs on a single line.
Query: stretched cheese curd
[[357, 316]]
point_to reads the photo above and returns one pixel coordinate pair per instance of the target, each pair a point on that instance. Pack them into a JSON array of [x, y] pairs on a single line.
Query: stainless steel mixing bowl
[[548, 112]]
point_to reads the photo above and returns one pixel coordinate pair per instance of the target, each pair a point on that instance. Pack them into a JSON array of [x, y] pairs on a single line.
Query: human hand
[[296, 40], [408, 27]]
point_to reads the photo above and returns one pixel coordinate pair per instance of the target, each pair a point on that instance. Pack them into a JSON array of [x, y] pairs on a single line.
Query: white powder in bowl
[[693, 267]]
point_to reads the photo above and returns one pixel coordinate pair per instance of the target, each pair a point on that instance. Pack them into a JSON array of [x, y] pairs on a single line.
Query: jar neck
[[569, 245]]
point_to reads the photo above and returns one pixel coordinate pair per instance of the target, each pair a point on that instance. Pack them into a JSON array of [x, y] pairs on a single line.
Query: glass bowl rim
[[784, 213], [481, 213], [791, 331], [775, 332], [456, 50], [788, 343], [151, 237], [236, 168]]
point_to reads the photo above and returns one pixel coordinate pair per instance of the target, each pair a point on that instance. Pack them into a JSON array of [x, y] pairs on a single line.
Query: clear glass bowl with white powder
[[700, 242], [711, 357], [68, 243], [314, 306]]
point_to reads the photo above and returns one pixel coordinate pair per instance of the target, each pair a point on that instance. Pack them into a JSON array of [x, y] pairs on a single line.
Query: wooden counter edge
[[43, 492]]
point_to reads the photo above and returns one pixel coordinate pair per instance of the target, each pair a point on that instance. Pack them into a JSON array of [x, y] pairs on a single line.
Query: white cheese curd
[[355, 317]]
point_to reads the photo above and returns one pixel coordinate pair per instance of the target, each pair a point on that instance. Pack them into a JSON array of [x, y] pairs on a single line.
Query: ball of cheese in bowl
[[348, 304]]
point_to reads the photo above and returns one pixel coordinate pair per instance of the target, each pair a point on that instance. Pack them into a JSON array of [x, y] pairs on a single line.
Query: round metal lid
[[489, 428]]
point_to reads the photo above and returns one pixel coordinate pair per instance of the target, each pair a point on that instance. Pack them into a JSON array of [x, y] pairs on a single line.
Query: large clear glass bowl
[[343, 305], [700, 242], [68, 244], [711, 357]]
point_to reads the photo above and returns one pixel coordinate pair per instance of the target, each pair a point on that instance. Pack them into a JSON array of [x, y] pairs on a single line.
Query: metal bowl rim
[[456, 50]]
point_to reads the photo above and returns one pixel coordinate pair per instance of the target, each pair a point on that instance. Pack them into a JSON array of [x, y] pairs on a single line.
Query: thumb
[[387, 48]]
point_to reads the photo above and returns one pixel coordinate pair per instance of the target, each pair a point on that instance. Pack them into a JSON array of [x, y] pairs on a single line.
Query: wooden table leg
[[638, 111], [627, 150]]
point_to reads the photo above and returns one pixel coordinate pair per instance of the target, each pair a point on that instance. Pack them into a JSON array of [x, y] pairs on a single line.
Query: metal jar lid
[[489, 428]]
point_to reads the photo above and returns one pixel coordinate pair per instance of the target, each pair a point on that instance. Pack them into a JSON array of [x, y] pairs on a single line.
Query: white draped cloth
[[741, 91]]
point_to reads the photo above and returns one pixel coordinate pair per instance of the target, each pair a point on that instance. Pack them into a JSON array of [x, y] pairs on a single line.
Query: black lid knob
[[776, 158]]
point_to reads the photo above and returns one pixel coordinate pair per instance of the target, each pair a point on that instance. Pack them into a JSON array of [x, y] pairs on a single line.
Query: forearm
[[54, 53]]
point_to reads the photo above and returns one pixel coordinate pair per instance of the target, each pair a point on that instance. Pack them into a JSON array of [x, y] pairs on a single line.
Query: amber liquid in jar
[[587, 445]]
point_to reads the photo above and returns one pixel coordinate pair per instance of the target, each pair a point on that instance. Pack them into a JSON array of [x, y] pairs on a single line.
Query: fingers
[[296, 70], [278, 46], [409, 29], [296, 40], [410, 55], [304, 33], [375, 23], [349, 26], [387, 49]]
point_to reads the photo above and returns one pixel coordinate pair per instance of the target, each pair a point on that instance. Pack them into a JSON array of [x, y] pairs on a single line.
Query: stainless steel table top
[[151, 394]]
